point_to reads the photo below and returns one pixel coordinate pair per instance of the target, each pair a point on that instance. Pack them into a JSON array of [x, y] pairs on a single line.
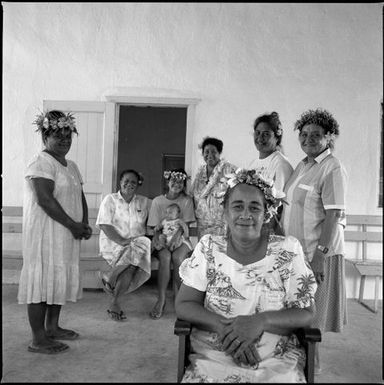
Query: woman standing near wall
[[316, 216], [207, 189], [55, 219], [271, 163]]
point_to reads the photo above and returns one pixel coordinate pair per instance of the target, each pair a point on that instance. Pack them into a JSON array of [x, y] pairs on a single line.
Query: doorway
[[151, 140]]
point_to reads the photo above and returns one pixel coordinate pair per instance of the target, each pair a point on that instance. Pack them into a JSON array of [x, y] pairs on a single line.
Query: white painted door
[[92, 151]]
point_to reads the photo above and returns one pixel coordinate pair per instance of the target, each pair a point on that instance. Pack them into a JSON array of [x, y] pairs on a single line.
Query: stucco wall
[[241, 60]]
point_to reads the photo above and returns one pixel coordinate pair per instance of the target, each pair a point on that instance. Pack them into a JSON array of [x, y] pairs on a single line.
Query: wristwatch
[[323, 249]]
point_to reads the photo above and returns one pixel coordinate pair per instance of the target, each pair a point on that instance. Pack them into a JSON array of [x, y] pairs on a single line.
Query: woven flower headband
[[273, 197], [44, 124], [178, 175]]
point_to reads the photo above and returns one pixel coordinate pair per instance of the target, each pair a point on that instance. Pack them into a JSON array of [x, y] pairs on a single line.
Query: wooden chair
[[307, 337]]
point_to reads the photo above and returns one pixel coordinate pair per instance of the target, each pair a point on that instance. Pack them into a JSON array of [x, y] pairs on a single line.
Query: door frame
[[144, 101]]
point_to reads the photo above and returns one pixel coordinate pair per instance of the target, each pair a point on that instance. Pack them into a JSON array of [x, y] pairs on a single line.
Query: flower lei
[[178, 175], [45, 125], [273, 197], [279, 131], [214, 178]]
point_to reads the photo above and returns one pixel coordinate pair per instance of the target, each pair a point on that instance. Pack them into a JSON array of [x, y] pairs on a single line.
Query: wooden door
[[92, 151]]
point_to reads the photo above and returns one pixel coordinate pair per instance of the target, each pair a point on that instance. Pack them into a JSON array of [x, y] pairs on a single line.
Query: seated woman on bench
[[246, 292], [122, 220]]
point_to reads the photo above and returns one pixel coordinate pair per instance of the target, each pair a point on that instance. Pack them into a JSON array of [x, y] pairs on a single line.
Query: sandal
[[52, 349], [69, 335], [117, 316], [157, 314], [106, 285]]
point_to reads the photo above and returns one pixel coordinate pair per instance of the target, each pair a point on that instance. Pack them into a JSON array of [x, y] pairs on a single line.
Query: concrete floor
[[144, 350]]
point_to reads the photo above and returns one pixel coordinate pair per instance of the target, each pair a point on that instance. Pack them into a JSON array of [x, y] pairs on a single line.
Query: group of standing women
[[56, 219]]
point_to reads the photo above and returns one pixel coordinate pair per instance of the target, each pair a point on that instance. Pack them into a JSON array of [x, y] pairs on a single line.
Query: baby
[[168, 228]]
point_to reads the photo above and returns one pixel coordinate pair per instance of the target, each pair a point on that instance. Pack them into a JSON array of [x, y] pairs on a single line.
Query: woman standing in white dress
[[55, 219], [271, 163]]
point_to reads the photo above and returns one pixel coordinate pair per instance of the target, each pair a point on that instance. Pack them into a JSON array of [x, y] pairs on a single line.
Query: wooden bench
[[90, 259], [366, 266]]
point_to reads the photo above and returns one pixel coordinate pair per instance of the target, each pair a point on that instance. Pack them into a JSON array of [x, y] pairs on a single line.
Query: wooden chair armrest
[[308, 338], [182, 327], [306, 335]]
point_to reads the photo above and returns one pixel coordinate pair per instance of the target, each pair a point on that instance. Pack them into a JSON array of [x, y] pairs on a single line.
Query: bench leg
[[377, 282], [361, 294], [361, 291]]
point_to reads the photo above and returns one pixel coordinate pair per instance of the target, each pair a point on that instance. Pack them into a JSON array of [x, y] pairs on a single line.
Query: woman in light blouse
[[316, 215], [122, 219]]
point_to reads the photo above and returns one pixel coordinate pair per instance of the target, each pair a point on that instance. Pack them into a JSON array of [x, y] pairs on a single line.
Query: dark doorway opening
[[151, 140]]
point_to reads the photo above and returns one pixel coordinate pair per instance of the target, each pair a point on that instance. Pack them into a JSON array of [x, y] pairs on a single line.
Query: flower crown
[[45, 125], [178, 175], [273, 197]]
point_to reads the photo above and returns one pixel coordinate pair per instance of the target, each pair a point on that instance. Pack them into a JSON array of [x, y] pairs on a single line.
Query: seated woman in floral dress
[[245, 293]]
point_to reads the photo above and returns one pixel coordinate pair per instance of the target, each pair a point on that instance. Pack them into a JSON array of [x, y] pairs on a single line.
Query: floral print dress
[[207, 195], [281, 280]]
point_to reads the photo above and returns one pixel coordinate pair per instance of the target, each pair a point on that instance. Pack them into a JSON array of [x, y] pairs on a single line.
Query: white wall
[[240, 59]]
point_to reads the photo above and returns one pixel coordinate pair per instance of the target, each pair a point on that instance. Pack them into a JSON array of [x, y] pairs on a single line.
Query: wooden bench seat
[[90, 260], [366, 266]]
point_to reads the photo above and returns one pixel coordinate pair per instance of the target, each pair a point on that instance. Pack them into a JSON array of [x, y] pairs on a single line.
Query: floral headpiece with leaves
[[273, 197], [178, 175], [46, 125]]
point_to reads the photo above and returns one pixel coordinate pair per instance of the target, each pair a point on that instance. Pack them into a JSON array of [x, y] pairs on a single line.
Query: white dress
[[51, 254], [275, 166], [281, 280]]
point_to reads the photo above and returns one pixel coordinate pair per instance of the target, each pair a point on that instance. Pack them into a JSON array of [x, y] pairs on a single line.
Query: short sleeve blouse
[[282, 279]]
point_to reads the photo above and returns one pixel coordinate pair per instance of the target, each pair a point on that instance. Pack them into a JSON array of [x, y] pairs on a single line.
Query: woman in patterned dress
[[55, 219], [315, 215], [122, 219], [244, 293], [207, 187]]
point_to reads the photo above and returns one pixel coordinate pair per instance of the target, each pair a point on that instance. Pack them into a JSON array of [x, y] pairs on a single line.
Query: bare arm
[[185, 229], [85, 214], [43, 188], [332, 219], [113, 235], [189, 306], [243, 331], [85, 207]]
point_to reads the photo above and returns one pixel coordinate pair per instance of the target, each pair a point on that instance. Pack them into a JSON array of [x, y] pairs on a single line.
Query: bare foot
[[158, 310]]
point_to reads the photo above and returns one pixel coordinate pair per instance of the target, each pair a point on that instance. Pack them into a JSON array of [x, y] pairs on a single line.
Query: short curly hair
[[321, 118], [214, 142]]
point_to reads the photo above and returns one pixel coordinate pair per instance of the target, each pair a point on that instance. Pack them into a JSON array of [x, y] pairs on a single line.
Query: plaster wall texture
[[241, 60]]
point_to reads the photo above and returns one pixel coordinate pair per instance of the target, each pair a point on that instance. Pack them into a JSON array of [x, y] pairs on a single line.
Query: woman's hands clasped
[[81, 230], [239, 336]]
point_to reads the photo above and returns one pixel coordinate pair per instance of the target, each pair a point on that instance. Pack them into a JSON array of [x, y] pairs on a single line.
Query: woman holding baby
[[179, 248]]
